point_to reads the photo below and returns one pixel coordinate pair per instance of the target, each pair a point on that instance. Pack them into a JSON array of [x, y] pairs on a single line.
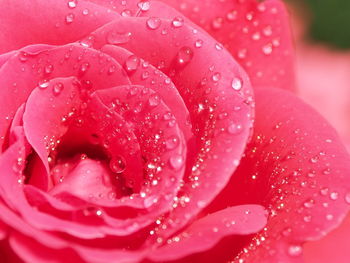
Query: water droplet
[[87, 42], [84, 68], [57, 88], [177, 22], [256, 36], [153, 23], [314, 159], [216, 76], [131, 63], [334, 195], [267, 49], [234, 128], [172, 142], [48, 69], [198, 43], [262, 7], [43, 84], [250, 16], [70, 18], [184, 56], [218, 46], [154, 100], [23, 56], [99, 212], [217, 23], [267, 31], [112, 69], [176, 162], [112, 195], [145, 75], [236, 84], [309, 203], [232, 15], [86, 12], [347, 198], [295, 250], [329, 217], [144, 5], [115, 37], [287, 231], [242, 53], [324, 191], [72, 4], [117, 164]]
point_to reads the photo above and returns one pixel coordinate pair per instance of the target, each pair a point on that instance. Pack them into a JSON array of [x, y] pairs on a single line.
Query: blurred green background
[[329, 21]]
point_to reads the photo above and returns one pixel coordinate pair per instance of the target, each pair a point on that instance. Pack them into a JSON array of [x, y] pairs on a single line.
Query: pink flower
[[323, 81], [130, 134]]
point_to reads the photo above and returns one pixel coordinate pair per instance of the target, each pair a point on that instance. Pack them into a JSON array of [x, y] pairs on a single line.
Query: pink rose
[[130, 134], [331, 98]]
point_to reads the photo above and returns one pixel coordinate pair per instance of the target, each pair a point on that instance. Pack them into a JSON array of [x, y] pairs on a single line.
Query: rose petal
[[256, 33], [11, 191], [42, 119], [154, 126], [296, 166], [87, 181], [204, 233], [3, 230], [212, 86], [22, 73], [334, 247], [29, 251], [96, 126], [50, 22], [147, 75]]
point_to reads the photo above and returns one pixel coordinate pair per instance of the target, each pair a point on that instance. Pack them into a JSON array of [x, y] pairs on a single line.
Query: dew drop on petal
[[324, 191], [184, 56], [48, 69], [347, 198], [72, 4], [87, 42], [267, 31], [69, 18], [177, 22], [115, 38], [267, 49], [117, 164], [216, 76], [217, 23], [43, 84], [232, 15], [218, 46], [334, 195], [131, 63], [86, 12], [153, 23], [309, 203], [198, 43], [236, 84], [144, 5], [154, 100], [295, 250], [23, 56], [84, 68], [234, 128], [57, 88], [171, 143], [329, 217], [112, 69], [176, 162]]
